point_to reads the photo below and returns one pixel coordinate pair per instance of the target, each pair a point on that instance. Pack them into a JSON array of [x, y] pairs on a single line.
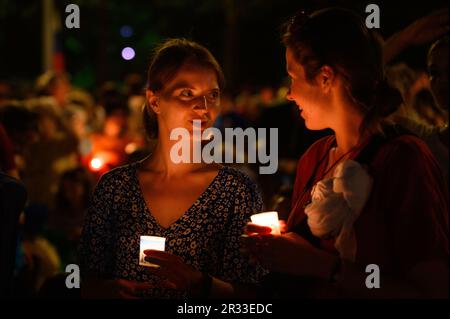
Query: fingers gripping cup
[[269, 219], [150, 242]]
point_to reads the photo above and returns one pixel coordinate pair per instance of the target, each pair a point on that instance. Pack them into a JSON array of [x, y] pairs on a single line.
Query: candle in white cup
[[268, 219], [150, 242]]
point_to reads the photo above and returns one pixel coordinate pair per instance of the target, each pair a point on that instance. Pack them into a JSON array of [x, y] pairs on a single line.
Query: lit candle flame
[[268, 219]]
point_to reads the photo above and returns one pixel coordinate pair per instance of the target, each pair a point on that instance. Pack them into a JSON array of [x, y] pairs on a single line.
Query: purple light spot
[[126, 31], [128, 53]]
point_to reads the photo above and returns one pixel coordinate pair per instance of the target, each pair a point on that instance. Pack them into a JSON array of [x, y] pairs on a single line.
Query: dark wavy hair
[[338, 38], [167, 59]]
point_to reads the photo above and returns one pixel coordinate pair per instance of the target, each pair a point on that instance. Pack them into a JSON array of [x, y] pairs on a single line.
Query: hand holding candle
[[268, 219], [150, 242]]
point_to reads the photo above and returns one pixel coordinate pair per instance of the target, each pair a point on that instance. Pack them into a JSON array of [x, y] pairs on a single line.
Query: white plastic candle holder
[[269, 219], [150, 242]]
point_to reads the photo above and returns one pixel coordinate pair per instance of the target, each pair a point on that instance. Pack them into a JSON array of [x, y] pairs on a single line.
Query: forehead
[[291, 63], [193, 76]]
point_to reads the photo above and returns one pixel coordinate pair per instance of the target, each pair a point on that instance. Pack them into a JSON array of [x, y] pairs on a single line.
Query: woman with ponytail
[[200, 208], [369, 215]]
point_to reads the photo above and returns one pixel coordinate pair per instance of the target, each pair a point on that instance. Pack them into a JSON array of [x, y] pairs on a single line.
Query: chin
[[310, 125]]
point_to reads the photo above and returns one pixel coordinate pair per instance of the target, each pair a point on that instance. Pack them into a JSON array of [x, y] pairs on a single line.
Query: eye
[[214, 95], [186, 93]]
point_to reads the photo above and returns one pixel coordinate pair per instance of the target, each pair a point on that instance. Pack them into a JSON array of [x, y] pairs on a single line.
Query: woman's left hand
[[172, 270], [290, 254]]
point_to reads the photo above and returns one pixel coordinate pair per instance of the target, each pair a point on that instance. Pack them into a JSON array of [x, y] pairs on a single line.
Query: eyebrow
[[185, 85], [180, 85]]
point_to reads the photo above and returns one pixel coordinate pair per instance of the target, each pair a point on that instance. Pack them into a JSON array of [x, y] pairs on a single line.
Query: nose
[[289, 95], [201, 103]]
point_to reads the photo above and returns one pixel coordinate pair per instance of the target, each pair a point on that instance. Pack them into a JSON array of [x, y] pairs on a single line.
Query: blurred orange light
[[96, 163], [130, 148]]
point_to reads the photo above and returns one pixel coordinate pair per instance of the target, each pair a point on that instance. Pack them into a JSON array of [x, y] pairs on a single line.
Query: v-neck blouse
[[206, 236], [187, 213]]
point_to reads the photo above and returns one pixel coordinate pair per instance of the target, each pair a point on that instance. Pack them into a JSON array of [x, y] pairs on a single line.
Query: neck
[[347, 132], [161, 162]]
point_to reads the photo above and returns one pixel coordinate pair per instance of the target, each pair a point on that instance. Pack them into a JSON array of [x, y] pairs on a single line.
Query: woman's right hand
[[288, 253], [257, 230], [253, 233]]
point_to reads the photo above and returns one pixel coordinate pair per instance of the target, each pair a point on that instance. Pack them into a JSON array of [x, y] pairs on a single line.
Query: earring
[[155, 107]]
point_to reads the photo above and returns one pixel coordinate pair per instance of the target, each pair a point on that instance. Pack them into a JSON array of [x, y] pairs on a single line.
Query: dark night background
[[243, 35], [56, 129]]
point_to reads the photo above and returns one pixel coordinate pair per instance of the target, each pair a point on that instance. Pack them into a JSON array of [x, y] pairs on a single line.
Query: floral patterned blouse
[[206, 236]]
